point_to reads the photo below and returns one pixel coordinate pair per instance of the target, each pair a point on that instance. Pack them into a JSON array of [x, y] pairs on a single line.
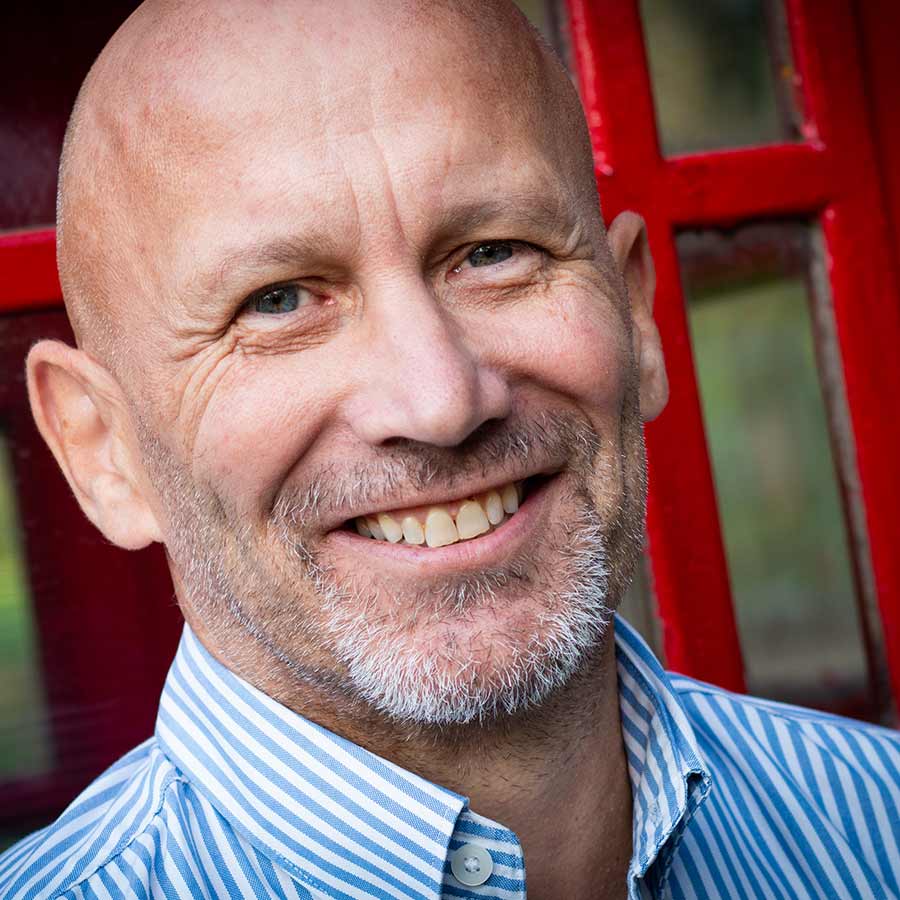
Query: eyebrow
[[540, 210], [537, 210], [260, 256]]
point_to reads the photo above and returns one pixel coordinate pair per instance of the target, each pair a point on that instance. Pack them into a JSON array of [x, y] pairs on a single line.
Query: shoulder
[[798, 797], [117, 811], [736, 720], [822, 779]]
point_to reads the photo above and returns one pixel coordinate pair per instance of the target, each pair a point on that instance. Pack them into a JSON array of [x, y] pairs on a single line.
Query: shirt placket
[[484, 860]]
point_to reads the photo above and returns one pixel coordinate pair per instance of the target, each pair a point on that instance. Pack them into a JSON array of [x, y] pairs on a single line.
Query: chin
[[459, 684], [480, 649]]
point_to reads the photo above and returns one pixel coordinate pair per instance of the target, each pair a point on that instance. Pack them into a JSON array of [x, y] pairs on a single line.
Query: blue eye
[[490, 254], [277, 300]]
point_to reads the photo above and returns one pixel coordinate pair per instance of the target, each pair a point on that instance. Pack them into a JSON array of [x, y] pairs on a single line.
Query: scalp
[[180, 78]]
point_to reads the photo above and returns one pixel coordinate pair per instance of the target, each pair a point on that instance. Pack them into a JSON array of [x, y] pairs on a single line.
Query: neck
[[556, 776]]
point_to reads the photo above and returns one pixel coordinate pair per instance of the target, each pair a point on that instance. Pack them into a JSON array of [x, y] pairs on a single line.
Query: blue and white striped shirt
[[237, 797]]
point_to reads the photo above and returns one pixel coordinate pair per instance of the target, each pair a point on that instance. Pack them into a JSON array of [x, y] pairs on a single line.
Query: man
[[354, 344]]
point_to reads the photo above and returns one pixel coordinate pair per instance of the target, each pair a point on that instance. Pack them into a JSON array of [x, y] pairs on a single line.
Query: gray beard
[[444, 687], [361, 630]]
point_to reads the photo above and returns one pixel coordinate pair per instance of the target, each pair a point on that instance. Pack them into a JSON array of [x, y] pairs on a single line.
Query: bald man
[[355, 346]]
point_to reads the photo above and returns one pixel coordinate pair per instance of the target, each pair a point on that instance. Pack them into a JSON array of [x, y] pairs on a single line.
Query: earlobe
[[630, 250], [81, 415]]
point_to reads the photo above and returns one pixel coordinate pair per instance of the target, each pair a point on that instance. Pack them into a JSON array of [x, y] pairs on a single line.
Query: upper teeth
[[437, 527]]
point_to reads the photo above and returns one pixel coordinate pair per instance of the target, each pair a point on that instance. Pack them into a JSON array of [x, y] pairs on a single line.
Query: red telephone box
[[105, 620], [839, 175]]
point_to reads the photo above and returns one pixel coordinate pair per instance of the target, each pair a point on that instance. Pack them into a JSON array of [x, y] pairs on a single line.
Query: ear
[[630, 248], [82, 415]]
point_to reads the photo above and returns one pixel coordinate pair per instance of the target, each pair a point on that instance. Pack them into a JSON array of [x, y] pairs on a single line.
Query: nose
[[421, 376]]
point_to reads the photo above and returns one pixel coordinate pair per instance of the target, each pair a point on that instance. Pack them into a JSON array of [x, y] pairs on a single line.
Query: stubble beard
[[373, 637], [403, 659]]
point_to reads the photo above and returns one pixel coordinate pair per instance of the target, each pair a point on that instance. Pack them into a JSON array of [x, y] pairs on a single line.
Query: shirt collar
[[327, 810], [323, 806], [669, 779]]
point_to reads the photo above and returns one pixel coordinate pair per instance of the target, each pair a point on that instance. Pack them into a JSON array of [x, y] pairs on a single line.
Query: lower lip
[[493, 547]]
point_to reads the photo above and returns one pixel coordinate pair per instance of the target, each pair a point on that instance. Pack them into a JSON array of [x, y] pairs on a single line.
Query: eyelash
[[467, 251], [251, 303], [253, 299]]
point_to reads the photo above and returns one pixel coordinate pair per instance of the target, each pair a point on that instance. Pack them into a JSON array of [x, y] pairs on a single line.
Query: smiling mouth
[[441, 524]]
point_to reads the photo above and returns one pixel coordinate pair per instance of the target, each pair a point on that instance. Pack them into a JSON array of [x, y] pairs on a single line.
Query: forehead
[[326, 134], [315, 119], [349, 165]]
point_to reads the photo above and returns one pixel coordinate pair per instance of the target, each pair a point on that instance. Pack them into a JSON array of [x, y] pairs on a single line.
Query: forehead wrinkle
[[541, 210], [242, 263], [164, 85], [320, 251]]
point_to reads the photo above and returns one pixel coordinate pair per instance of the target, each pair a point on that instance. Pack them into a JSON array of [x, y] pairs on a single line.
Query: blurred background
[[763, 344], [758, 308]]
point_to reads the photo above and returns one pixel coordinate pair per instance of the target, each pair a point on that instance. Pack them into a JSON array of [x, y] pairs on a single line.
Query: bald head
[[332, 259], [181, 85]]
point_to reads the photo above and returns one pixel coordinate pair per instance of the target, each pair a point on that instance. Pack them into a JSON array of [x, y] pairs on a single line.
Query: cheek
[[264, 415], [578, 348]]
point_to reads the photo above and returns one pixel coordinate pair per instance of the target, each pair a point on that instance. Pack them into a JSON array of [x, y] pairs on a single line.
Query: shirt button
[[471, 865]]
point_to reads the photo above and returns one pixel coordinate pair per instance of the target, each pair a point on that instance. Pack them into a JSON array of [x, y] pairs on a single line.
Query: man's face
[[389, 303]]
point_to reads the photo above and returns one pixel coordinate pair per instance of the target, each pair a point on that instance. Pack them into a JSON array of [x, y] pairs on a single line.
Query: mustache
[[544, 440]]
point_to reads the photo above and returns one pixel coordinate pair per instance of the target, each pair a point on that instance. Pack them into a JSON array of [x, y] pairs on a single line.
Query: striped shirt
[[237, 797]]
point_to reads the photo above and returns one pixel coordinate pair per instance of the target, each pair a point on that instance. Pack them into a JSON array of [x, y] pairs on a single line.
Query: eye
[[511, 258], [277, 300], [490, 254]]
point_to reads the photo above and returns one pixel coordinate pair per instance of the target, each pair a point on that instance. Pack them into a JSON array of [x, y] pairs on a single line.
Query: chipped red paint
[[832, 176]]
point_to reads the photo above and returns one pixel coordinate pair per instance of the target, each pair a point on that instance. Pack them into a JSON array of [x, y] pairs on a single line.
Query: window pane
[[638, 606], [24, 748], [47, 50], [779, 501], [547, 16], [716, 82], [537, 12]]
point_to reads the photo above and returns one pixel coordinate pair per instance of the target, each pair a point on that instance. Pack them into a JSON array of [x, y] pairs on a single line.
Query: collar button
[[471, 865]]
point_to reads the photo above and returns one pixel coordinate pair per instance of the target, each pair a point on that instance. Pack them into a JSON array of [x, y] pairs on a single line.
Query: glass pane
[[46, 52], [638, 606], [24, 748], [547, 17], [718, 79], [782, 520]]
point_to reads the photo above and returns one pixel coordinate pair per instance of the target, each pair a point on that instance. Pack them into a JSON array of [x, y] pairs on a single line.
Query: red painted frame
[[28, 267], [832, 176]]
